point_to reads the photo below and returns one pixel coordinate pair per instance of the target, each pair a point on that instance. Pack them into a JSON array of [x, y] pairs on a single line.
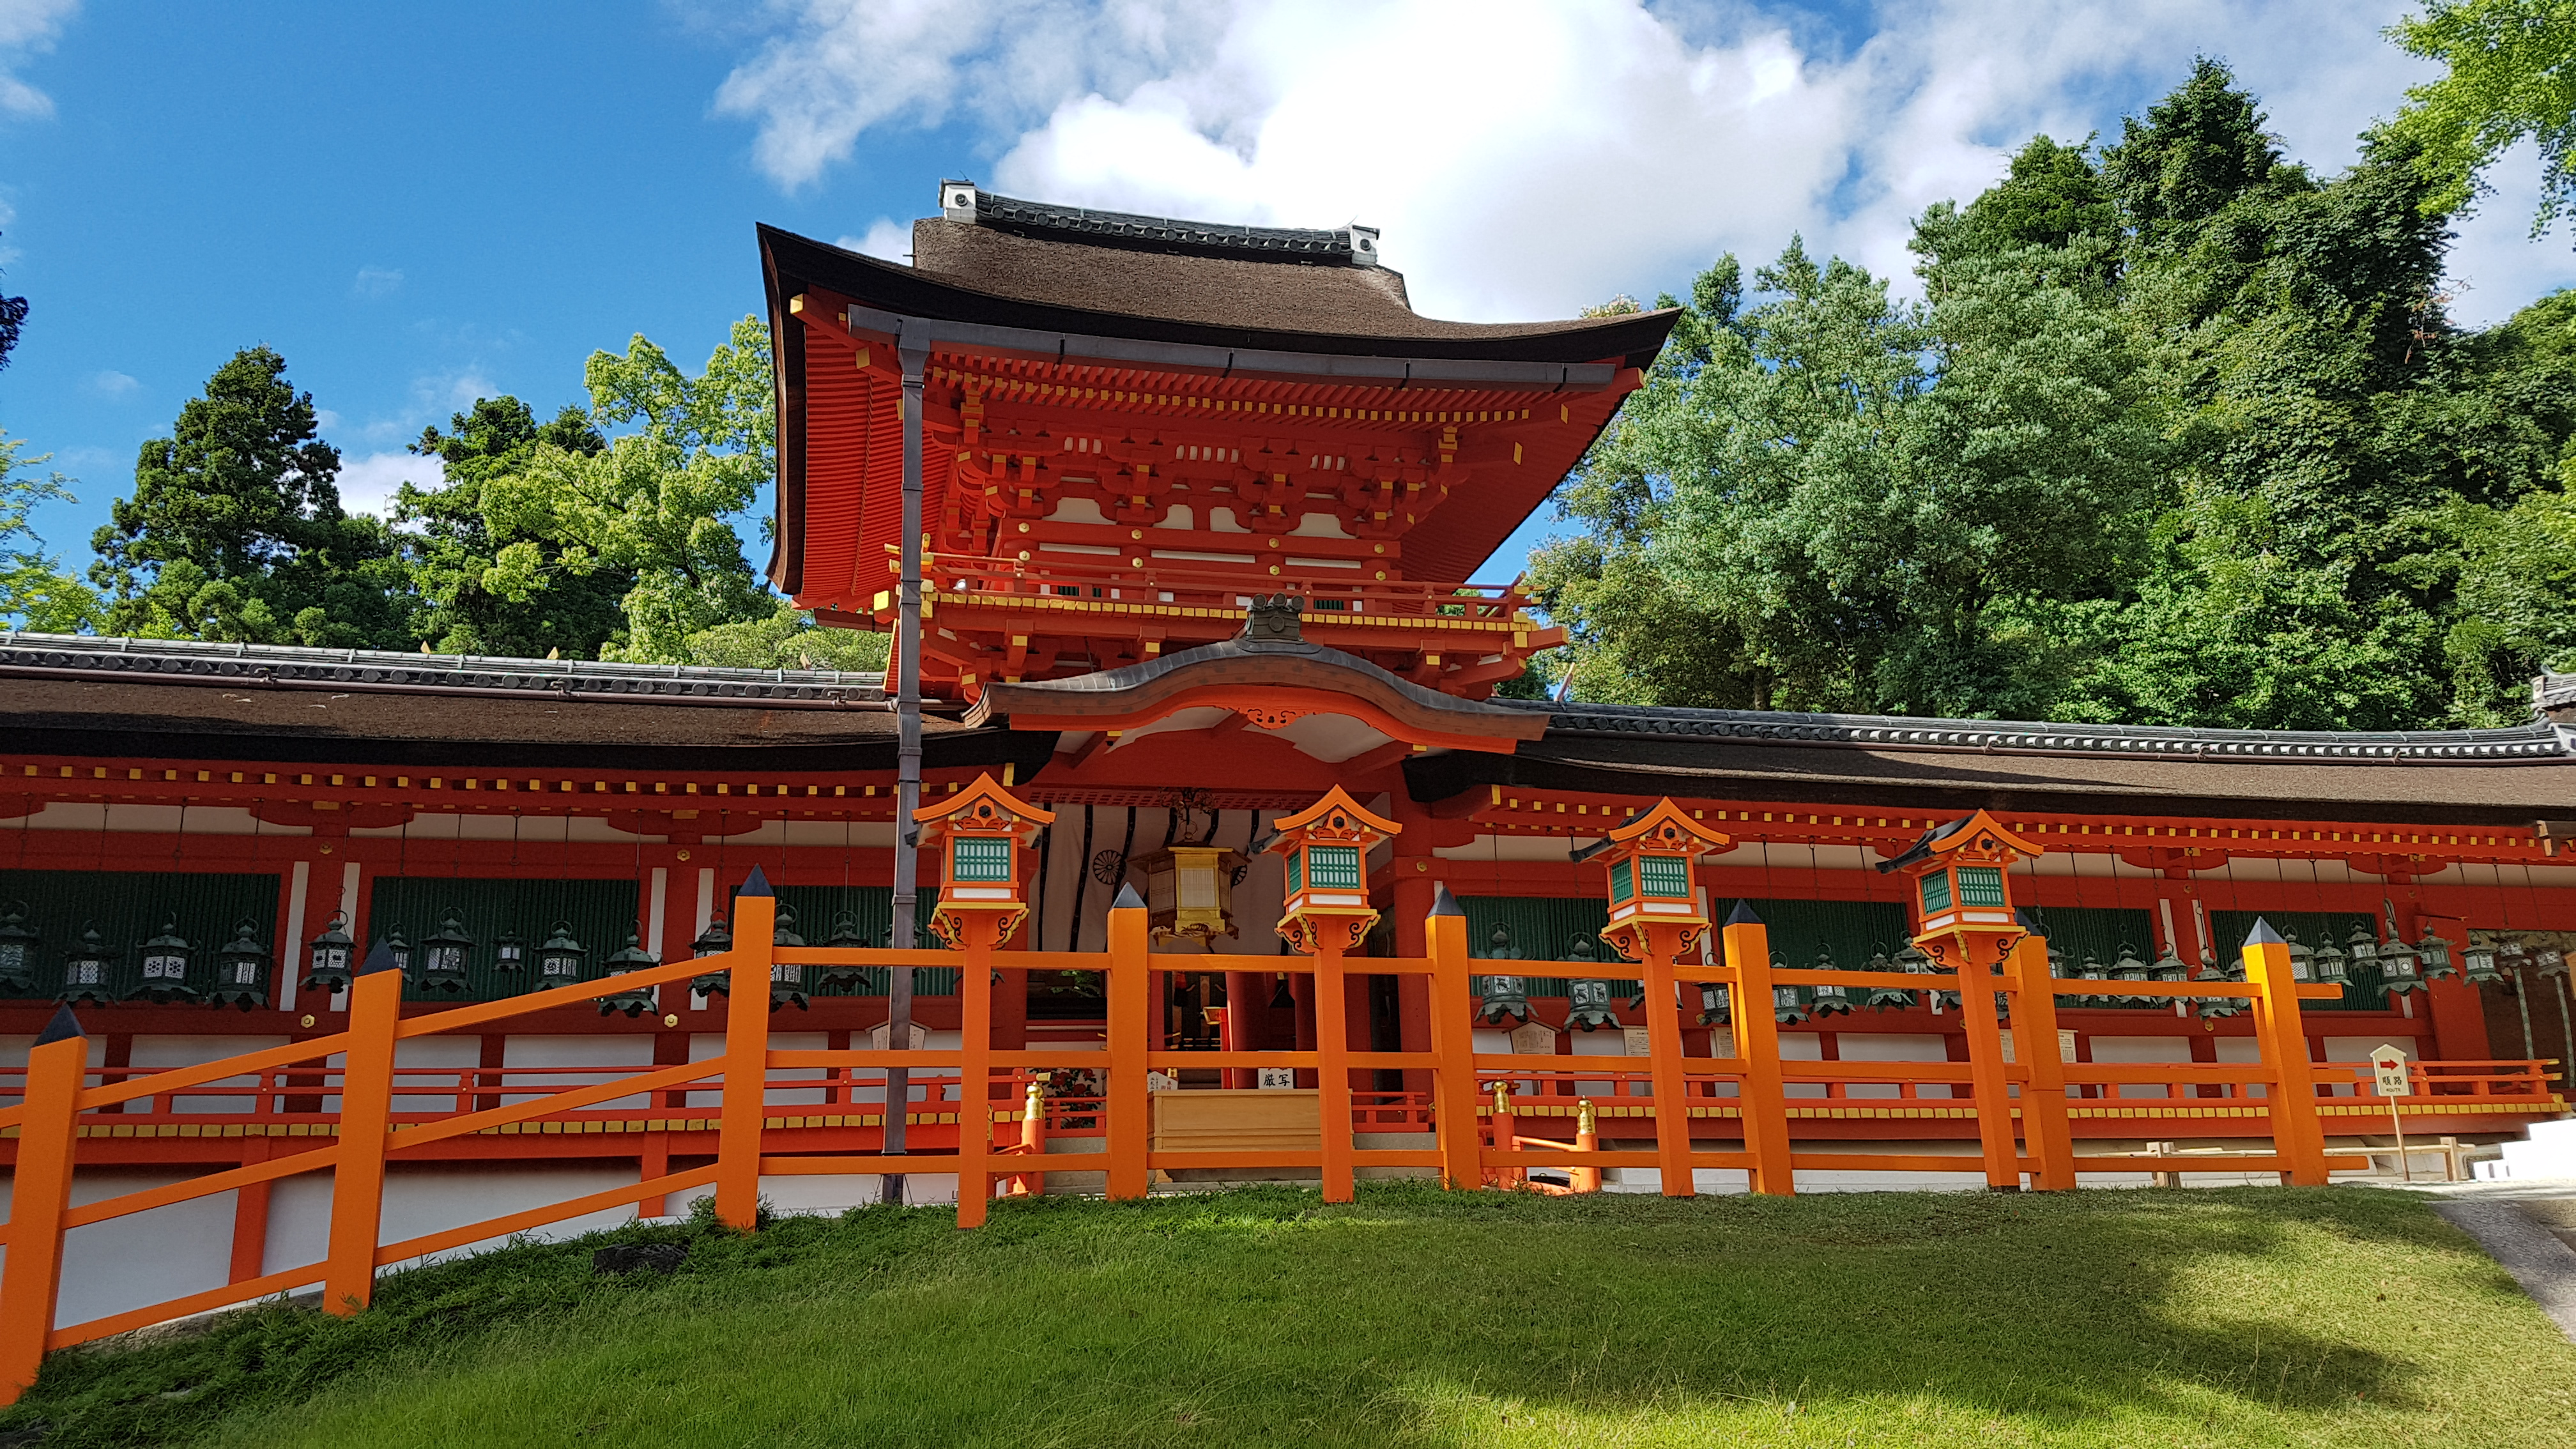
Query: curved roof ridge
[[2538, 739]]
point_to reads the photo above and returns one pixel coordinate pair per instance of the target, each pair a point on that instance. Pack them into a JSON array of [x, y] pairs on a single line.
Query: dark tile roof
[[184, 660], [2554, 695], [962, 272], [2538, 740], [151, 698], [2503, 777]]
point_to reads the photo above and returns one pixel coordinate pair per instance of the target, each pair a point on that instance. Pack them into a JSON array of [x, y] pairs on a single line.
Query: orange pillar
[[32, 1279], [1986, 1071], [2044, 1127], [746, 1070], [366, 1107], [1761, 1102], [2297, 1134], [1664, 1063], [1132, 1012], [1332, 1066], [975, 1073], [1453, 1077], [1243, 1003]]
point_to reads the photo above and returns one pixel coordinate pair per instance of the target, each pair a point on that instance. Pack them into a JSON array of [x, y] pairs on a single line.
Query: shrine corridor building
[[1201, 506]]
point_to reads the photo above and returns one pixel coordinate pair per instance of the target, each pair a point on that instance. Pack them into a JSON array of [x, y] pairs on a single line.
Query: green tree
[[1848, 502], [787, 639], [472, 604], [2511, 77], [13, 317], [34, 591], [235, 530], [654, 503]]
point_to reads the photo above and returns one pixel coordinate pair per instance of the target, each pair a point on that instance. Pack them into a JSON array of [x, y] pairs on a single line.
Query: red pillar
[[1412, 906]]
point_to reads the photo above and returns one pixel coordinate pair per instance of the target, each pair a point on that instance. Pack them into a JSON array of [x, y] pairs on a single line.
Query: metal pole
[[907, 790]]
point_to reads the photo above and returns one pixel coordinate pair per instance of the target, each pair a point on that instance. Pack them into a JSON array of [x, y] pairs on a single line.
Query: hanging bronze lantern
[[786, 981], [2436, 955], [2127, 967], [1785, 1004], [634, 1000], [442, 958], [2479, 960], [509, 953], [2330, 964], [165, 959], [20, 944], [332, 955], [1501, 998], [715, 940], [1590, 1006], [849, 980], [241, 969], [1886, 998], [400, 947], [86, 967], [559, 957], [1830, 998], [1715, 1009]]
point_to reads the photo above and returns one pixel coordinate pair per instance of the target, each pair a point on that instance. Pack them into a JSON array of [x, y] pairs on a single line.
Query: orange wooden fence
[[2021, 1107]]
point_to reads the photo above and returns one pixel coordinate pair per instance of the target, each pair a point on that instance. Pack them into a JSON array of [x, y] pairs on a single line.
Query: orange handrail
[[61, 1095]]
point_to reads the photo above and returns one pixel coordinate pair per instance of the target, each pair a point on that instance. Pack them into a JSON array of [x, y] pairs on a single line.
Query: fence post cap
[[755, 884], [63, 1027], [1743, 915], [1127, 900], [2263, 934], [1445, 904], [379, 959]]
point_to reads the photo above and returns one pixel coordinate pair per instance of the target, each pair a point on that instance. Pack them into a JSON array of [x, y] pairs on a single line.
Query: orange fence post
[[1761, 1104], [1332, 1069], [33, 1277], [1033, 1110], [1507, 1137], [2297, 1134], [1986, 1075], [1664, 1059], [1125, 1100], [1453, 1049], [975, 1069], [2044, 1125], [366, 1110], [746, 1069]]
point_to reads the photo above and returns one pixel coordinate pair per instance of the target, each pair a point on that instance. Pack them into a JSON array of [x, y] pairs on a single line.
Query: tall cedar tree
[[235, 531]]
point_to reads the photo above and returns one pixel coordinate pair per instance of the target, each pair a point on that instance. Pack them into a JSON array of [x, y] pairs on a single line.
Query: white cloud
[[111, 383], [367, 484], [27, 29], [374, 282], [1526, 157], [885, 238]]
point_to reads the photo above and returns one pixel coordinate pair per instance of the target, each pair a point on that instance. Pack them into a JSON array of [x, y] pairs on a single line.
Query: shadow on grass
[[1410, 1317]]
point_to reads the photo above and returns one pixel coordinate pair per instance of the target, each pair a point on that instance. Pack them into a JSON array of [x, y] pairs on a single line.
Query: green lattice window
[[1623, 885], [1936, 892], [1335, 867], [1666, 875], [1296, 871], [1981, 885], [980, 858]]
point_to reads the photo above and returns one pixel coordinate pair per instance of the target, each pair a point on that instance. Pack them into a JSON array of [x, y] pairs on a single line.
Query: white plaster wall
[[2116, 1049], [1802, 1046], [1862, 1046], [188, 1051], [426, 1197], [620, 1055], [425, 1062], [149, 1257]]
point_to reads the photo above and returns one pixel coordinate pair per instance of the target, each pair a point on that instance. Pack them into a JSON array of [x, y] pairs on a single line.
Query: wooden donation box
[[1271, 1119]]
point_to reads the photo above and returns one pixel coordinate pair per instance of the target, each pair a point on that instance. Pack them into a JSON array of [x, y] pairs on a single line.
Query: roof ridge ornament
[[1274, 619]]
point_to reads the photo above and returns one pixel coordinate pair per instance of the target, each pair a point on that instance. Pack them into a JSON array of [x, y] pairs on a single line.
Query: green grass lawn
[[1413, 1317]]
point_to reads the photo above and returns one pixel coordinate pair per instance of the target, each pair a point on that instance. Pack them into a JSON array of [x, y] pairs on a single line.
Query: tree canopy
[[2510, 77], [2179, 433]]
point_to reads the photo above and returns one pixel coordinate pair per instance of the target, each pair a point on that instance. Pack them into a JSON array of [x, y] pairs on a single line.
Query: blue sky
[[420, 204]]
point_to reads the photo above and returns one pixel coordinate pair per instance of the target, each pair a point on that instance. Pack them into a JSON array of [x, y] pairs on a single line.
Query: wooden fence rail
[[2020, 1106]]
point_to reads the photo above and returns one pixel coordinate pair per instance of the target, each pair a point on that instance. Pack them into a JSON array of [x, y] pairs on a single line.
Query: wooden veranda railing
[[2021, 1107]]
